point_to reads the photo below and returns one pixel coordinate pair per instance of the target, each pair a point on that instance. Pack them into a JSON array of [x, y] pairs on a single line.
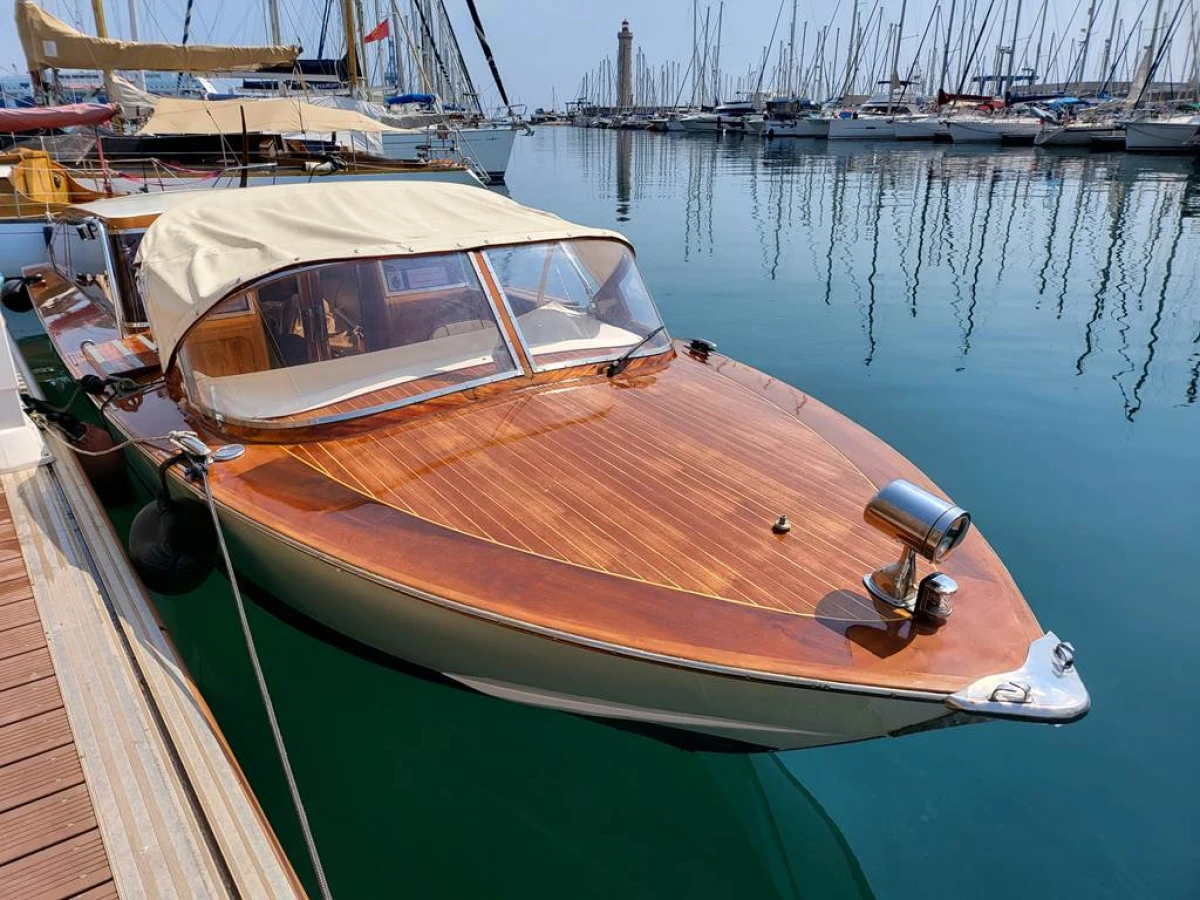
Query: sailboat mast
[[273, 10], [1087, 42], [133, 36], [351, 44], [791, 53], [850, 50], [1012, 47], [98, 12], [946, 50], [717, 56], [695, 23], [1108, 44], [895, 74]]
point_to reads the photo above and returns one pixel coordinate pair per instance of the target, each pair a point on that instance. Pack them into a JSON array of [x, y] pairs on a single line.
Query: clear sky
[[544, 44]]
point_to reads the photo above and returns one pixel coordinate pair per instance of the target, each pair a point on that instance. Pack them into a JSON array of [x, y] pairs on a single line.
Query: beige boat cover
[[279, 115], [51, 43], [198, 252]]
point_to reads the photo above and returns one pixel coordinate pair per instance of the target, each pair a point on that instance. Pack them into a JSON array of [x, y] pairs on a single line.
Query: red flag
[[379, 32]]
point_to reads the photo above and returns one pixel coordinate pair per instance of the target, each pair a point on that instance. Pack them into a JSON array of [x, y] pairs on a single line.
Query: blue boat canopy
[[425, 99]]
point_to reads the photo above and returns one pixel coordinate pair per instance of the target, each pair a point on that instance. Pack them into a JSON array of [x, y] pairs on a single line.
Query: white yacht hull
[[1075, 135], [522, 663], [706, 125], [1170, 136], [22, 243], [923, 129], [488, 149], [124, 185], [864, 128], [800, 128], [993, 131]]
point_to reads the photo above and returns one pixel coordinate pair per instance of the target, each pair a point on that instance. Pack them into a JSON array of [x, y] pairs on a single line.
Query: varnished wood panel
[[675, 483]]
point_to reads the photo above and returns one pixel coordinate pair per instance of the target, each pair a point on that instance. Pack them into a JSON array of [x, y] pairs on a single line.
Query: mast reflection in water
[[1025, 326], [1101, 249]]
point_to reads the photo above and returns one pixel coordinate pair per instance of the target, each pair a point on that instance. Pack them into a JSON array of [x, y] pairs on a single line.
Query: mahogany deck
[[50, 843]]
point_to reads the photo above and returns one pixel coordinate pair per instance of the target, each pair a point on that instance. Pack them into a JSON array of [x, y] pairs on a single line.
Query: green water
[[1026, 328]]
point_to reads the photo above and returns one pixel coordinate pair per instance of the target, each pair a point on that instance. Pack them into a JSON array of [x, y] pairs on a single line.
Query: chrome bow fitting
[[924, 524]]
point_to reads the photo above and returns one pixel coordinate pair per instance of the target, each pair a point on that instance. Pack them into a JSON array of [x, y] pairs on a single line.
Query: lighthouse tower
[[625, 66]]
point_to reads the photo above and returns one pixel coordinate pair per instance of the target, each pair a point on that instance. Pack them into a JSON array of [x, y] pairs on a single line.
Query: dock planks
[[50, 843], [114, 779]]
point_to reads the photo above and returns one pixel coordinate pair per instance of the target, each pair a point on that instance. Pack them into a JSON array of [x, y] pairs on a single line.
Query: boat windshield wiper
[[618, 366]]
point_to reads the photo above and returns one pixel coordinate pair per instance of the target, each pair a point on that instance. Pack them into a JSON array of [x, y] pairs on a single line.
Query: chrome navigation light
[[923, 523]]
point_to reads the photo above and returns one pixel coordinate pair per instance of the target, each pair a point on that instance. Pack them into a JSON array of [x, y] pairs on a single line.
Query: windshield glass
[[577, 301], [310, 343]]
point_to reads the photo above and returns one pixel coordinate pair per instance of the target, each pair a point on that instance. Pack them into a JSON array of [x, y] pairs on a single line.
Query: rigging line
[[770, 46], [462, 63], [432, 42], [252, 650]]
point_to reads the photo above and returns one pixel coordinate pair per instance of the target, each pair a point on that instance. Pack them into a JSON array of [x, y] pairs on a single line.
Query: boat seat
[[413, 318]]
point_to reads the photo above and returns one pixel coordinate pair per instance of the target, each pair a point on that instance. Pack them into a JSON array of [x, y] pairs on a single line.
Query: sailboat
[[445, 117], [455, 429]]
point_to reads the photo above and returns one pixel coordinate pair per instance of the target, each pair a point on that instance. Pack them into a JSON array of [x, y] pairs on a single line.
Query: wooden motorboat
[[469, 443]]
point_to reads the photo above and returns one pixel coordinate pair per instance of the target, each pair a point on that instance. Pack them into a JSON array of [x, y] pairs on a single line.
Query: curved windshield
[[577, 301], [313, 343]]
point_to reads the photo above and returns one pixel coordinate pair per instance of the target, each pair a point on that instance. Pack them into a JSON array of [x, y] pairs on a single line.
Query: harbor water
[[1024, 326]]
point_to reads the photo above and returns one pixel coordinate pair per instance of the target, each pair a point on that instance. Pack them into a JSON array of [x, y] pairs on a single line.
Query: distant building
[[625, 66]]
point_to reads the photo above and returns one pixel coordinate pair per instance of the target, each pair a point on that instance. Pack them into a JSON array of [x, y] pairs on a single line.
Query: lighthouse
[[625, 66]]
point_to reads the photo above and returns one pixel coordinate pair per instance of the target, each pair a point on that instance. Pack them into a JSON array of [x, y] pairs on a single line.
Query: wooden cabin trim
[[491, 285]]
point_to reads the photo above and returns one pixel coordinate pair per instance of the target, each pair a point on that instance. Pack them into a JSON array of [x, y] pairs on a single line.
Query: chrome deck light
[[923, 523]]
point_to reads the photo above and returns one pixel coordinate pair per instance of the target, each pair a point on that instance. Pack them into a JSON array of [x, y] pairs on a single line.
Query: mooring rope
[[252, 648]]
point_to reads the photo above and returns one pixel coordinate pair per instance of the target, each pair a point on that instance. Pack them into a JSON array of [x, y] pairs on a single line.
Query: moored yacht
[[454, 429], [738, 115], [708, 122], [873, 121], [1175, 134], [1093, 134], [921, 127], [1015, 127]]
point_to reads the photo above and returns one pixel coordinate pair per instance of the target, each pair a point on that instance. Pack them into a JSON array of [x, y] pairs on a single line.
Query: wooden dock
[[114, 778]]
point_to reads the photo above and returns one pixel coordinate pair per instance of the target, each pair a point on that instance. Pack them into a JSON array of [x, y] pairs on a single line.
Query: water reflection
[[1105, 243], [404, 779]]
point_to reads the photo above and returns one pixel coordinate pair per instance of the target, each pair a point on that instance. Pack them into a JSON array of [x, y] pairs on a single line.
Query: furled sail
[[50, 43], [37, 118], [278, 115]]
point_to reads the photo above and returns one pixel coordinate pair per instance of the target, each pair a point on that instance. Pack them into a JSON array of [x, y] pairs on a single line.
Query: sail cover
[[51, 43], [281, 115], [35, 118]]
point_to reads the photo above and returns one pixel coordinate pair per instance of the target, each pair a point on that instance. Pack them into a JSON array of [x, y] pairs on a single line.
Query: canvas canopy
[[281, 115], [51, 43], [135, 103], [199, 251]]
